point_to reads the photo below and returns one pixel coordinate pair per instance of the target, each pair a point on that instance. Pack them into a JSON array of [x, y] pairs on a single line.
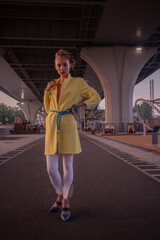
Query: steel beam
[[48, 39], [53, 3]]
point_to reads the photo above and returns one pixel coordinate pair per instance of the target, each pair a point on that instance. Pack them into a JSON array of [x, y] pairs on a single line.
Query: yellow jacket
[[72, 91]]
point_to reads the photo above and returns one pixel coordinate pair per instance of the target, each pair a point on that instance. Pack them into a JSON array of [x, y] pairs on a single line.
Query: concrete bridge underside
[[102, 35]]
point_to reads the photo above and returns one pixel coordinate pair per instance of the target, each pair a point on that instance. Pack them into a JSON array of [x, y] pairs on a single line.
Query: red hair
[[68, 55]]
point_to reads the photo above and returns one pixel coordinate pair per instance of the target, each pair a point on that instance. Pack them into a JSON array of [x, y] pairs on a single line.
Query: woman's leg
[[53, 172], [67, 175], [67, 184]]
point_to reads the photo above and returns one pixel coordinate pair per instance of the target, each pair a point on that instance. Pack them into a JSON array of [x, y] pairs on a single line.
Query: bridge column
[[30, 109], [117, 69]]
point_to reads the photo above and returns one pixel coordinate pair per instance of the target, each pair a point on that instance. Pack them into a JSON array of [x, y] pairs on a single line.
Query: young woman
[[61, 99]]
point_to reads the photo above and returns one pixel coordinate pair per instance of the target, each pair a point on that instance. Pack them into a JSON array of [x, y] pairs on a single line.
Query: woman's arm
[[87, 92], [47, 93], [90, 93], [81, 104], [46, 101]]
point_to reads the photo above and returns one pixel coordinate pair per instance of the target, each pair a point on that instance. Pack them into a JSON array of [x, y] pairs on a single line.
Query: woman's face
[[63, 66]]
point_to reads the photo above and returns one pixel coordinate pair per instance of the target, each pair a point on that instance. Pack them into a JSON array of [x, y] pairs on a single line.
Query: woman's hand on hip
[[73, 112], [50, 85]]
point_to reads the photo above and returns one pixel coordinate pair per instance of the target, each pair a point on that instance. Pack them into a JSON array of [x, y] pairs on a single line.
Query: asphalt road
[[112, 200]]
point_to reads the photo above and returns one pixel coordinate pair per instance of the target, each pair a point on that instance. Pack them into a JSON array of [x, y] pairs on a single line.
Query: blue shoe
[[54, 209], [65, 217]]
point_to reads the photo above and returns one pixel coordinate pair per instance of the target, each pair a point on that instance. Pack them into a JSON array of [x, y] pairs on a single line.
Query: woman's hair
[[66, 54]]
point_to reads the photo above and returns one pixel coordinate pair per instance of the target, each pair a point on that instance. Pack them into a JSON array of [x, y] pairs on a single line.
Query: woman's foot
[[65, 215], [58, 202], [56, 206]]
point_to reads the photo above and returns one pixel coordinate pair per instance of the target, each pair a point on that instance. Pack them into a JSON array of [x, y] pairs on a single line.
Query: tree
[[138, 108], [9, 113], [145, 111], [18, 112]]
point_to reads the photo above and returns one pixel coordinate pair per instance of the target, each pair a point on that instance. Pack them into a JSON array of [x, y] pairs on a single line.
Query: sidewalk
[[137, 140], [11, 142]]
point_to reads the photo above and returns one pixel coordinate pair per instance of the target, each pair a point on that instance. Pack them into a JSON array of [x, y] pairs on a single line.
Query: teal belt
[[58, 119]]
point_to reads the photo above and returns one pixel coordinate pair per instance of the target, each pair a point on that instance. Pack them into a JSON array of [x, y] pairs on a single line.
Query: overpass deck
[[113, 199]]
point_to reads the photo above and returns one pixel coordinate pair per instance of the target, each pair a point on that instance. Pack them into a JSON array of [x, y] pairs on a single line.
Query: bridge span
[[115, 43]]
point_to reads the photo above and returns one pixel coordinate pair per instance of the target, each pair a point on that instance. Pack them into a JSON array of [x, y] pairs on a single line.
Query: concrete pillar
[[30, 110], [117, 69]]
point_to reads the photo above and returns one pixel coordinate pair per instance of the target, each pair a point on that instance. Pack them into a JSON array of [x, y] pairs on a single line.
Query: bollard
[[154, 137]]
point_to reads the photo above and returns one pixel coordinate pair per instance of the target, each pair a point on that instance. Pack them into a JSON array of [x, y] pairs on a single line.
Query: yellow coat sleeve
[[88, 92], [46, 101]]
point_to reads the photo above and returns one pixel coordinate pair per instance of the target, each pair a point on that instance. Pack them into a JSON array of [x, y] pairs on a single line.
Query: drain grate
[[148, 167], [140, 163], [3, 158], [154, 172]]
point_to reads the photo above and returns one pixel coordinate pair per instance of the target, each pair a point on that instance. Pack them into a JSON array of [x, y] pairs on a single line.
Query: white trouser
[[62, 187]]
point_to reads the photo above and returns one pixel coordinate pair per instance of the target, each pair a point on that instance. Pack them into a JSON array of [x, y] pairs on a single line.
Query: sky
[[7, 100], [141, 90]]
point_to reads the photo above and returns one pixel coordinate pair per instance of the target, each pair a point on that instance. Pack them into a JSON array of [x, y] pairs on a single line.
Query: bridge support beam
[[117, 69], [30, 110], [1, 52]]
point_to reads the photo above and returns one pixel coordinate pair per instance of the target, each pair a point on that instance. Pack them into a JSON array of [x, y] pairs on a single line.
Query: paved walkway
[[11, 142], [137, 140], [112, 200]]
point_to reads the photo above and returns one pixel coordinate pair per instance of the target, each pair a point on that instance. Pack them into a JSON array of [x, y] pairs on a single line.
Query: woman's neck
[[62, 78]]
